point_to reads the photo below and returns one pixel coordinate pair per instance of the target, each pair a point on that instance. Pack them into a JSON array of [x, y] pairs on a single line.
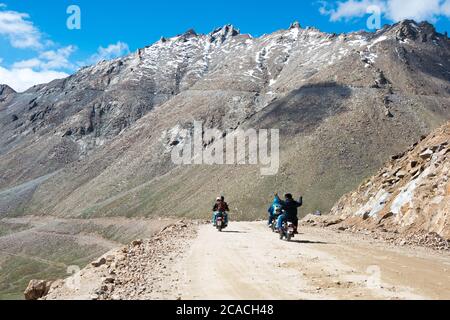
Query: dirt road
[[247, 261]]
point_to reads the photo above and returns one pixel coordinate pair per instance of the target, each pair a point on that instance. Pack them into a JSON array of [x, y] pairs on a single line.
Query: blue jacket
[[276, 201]]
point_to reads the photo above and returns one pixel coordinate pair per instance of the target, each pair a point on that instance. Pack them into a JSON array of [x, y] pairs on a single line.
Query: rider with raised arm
[[290, 211]]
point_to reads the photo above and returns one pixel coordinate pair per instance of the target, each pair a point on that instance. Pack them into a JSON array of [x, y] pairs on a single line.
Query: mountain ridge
[[85, 112]]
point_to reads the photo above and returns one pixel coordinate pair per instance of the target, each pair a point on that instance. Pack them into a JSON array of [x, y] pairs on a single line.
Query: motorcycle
[[287, 231], [277, 212], [220, 222], [273, 225]]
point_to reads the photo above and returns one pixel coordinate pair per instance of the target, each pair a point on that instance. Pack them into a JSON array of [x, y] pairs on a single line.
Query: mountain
[[6, 93], [96, 143], [411, 194], [81, 154]]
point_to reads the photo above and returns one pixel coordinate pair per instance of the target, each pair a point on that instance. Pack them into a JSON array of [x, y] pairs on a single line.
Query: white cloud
[[349, 9], [415, 9], [30, 63], [53, 64], [19, 30], [48, 60], [24, 78], [48, 64], [394, 10], [110, 52]]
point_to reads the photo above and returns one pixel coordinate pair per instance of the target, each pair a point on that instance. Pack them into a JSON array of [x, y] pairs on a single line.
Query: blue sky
[[36, 45]]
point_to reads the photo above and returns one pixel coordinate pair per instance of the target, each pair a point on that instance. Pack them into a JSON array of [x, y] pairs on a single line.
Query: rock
[[390, 181], [401, 174], [94, 297], [396, 156], [381, 80], [109, 280], [37, 289], [136, 243], [386, 216], [435, 148], [295, 25], [332, 222], [99, 262], [413, 164], [427, 154]]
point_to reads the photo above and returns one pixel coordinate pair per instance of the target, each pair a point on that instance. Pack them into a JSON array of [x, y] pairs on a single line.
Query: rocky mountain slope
[[6, 94], [97, 144], [410, 195]]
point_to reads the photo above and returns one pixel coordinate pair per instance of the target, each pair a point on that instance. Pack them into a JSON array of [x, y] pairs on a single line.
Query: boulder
[[37, 289], [401, 174], [427, 154], [412, 164], [99, 262]]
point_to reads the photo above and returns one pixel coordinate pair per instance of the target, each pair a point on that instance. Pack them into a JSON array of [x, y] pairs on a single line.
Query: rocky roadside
[[145, 269], [430, 240], [406, 203]]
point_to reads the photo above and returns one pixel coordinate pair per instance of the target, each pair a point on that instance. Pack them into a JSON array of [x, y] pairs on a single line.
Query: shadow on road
[[308, 242], [230, 231]]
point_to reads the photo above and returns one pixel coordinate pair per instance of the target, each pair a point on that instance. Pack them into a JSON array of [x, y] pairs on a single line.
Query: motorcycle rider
[[275, 204], [220, 207], [290, 207]]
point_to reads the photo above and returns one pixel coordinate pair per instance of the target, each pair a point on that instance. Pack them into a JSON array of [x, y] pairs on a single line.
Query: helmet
[[219, 199]]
